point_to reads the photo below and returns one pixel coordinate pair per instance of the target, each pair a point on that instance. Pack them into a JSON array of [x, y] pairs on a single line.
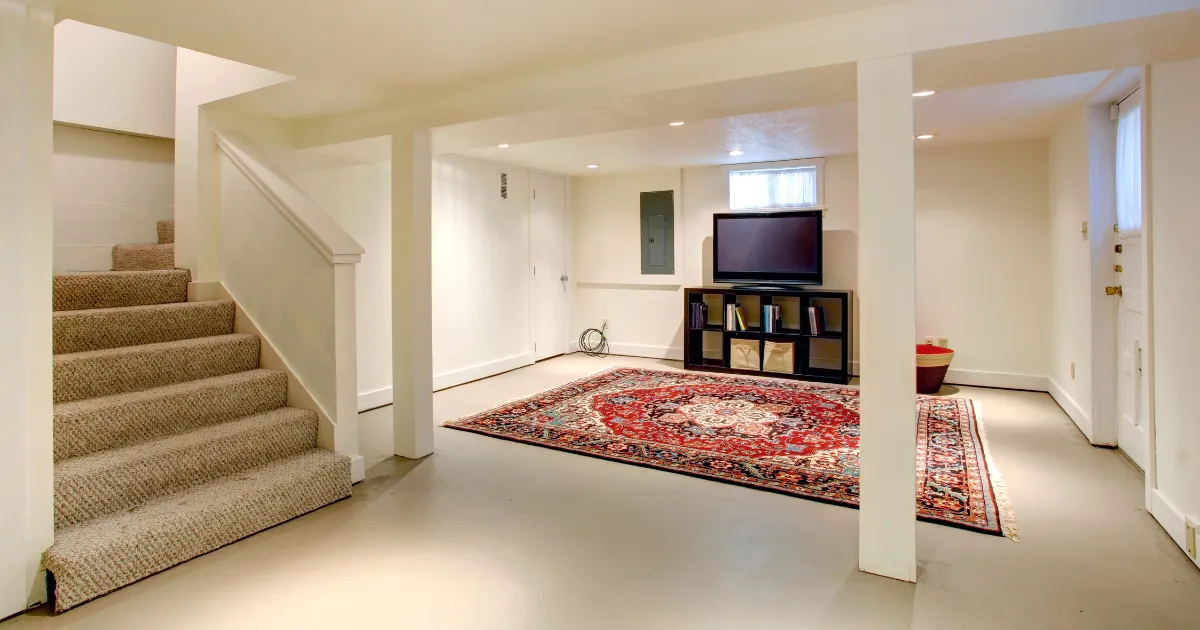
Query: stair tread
[[109, 289], [100, 483], [143, 256], [123, 326], [96, 557], [97, 373], [95, 424]]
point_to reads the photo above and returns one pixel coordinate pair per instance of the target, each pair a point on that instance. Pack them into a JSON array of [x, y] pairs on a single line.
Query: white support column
[[887, 288], [26, 269], [412, 293]]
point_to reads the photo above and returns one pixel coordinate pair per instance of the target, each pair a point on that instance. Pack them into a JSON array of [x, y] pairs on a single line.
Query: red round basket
[[932, 364]]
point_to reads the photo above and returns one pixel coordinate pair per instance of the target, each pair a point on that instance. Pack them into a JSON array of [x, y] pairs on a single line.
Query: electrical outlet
[[1072, 370], [943, 342], [929, 341], [604, 323]]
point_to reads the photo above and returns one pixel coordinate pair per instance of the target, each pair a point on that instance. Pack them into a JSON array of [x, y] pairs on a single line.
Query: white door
[[548, 258], [1133, 399]]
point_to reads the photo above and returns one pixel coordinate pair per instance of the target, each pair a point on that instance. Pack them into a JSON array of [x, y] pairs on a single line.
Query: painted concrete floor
[[488, 534]]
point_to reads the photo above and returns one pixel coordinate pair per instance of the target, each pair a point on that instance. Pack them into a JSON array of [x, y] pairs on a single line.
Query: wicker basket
[[932, 364]]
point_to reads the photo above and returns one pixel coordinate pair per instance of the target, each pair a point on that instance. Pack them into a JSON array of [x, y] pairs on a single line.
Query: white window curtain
[[1129, 164], [773, 188]]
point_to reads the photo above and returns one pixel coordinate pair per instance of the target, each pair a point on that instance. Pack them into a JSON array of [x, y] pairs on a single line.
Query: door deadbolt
[[1114, 291]]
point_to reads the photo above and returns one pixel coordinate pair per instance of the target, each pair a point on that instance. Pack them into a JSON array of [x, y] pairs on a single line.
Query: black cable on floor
[[593, 343]]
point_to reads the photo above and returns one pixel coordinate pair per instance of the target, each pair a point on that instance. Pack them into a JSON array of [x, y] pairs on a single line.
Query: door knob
[[1114, 291]]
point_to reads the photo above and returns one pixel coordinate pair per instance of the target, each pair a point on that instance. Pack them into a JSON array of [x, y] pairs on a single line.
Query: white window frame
[[817, 163]]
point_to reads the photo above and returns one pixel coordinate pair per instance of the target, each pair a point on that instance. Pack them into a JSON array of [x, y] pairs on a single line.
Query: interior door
[[548, 258], [1133, 395]]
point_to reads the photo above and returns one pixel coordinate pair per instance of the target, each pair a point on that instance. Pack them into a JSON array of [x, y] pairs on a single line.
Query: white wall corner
[[1173, 520], [1072, 408]]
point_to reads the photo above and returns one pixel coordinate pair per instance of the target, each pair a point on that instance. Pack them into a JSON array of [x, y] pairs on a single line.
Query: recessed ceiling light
[[504, 146], [736, 152], [678, 123], [925, 136], [593, 166], [925, 93]]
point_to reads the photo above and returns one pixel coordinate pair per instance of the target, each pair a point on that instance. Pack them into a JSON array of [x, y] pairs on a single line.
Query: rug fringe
[[1004, 508]]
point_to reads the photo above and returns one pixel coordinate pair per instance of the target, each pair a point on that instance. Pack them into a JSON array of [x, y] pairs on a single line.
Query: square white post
[[887, 290], [412, 294], [26, 277]]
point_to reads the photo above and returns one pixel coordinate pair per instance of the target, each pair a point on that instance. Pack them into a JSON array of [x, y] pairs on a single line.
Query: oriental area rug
[[789, 437]]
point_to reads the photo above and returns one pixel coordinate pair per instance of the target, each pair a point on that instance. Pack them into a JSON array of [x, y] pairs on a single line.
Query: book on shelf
[[816, 320], [698, 317], [730, 317], [771, 318], [740, 322]]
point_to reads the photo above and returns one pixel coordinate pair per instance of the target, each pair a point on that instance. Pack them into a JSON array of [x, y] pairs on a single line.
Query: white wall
[[359, 197], [1175, 191], [982, 256], [109, 189], [642, 310], [481, 273], [106, 79], [983, 251], [202, 79]]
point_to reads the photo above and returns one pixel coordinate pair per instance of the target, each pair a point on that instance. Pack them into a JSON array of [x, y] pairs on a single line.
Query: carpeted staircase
[[169, 441]]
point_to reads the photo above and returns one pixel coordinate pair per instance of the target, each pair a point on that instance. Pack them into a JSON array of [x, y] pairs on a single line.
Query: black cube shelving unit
[[822, 356]]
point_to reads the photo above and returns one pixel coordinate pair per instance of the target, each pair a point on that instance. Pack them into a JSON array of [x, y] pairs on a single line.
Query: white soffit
[[1010, 111]]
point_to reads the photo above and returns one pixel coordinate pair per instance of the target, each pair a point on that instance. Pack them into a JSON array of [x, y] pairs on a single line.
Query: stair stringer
[[299, 395]]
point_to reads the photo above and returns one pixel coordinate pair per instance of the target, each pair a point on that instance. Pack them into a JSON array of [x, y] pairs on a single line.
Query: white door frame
[[568, 263], [1104, 337]]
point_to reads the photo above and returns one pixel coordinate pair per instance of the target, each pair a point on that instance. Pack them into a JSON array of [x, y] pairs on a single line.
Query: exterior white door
[[1133, 391], [1133, 401], [548, 261]]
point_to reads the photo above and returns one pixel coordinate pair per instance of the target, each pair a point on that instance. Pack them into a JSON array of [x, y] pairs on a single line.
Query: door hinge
[[535, 193], [1139, 358], [535, 270]]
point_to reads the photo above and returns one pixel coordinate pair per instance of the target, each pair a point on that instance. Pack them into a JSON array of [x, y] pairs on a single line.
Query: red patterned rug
[[785, 436]]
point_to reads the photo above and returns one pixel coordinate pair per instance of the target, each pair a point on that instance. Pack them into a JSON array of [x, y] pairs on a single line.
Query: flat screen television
[[772, 248]]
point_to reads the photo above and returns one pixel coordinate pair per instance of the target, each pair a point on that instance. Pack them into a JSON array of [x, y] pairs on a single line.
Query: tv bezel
[[792, 279]]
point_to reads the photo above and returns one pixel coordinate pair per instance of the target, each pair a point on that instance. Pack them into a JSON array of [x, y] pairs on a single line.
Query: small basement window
[[794, 186]]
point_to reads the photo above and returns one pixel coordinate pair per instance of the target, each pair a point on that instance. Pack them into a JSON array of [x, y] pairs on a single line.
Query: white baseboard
[[1074, 411], [1173, 521], [1003, 380], [372, 400], [483, 370], [637, 350]]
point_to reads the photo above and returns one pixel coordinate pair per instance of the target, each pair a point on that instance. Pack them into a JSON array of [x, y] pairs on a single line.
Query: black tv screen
[[768, 247]]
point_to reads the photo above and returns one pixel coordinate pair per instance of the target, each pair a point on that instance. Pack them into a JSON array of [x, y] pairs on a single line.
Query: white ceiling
[[1010, 111], [401, 46]]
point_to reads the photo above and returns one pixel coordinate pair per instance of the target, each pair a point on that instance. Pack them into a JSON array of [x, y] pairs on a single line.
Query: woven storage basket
[[932, 364]]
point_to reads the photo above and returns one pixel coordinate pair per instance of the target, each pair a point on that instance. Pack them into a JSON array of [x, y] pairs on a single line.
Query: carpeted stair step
[[102, 483], [99, 556], [166, 231], [101, 329], [118, 370], [143, 257], [113, 289], [98, 424]]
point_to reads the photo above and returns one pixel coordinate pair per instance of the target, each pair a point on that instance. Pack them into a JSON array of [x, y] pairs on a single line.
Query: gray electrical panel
[[658, 233]]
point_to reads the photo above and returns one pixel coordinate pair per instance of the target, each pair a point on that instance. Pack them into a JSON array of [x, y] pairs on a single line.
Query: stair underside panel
[[143, 257], [97, 424], [113, 289], [166, 232], [101, 329], [102, 483], [96, 557]]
